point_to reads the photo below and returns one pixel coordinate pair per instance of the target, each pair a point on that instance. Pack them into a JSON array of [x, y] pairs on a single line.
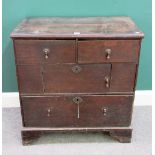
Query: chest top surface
[[77, 27]]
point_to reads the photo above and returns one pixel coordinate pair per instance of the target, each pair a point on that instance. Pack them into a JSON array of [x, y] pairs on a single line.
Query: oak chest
[[77, 74]]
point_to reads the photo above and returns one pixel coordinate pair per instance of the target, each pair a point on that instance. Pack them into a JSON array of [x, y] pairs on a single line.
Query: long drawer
[[76, 78], [74, 111]]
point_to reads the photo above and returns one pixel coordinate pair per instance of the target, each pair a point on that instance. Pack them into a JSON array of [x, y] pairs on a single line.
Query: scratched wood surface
[[104, 27]]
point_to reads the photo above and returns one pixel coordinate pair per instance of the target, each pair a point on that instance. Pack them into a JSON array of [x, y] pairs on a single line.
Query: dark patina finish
[[77, 75]]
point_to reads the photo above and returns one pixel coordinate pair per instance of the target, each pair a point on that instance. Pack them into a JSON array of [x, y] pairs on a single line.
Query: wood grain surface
[[64, 112], [104, 27]]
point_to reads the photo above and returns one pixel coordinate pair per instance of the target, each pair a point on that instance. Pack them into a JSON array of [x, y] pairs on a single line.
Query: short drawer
[[74, 111], [99, 51], [44, 51]]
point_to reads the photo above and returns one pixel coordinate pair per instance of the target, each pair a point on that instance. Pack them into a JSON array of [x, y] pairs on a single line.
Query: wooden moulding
[[122, 134]]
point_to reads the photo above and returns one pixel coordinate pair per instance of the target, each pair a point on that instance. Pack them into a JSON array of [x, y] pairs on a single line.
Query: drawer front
[[99, 51], [123, 77], [77, 111], [105, 110], [44, 51], [48, 111], [77, 78], [29, 79], [82, 78]]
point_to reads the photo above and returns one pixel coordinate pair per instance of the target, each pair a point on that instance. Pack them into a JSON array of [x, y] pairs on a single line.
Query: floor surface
[[78, 144]]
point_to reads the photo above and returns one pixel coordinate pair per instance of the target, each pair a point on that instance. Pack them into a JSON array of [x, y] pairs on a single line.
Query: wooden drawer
[[44, 51], [66, 78], [74, 111], [83, 78], [99, 51]]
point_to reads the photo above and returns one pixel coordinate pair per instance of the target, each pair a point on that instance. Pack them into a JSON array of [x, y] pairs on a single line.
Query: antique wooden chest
[[77, 74]]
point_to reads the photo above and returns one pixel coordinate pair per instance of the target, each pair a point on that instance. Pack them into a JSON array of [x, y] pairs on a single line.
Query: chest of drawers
[[77, 74]]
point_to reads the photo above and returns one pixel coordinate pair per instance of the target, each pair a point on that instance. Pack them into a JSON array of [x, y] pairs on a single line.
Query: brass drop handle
[[107, 81], [104, 111], [46, 53], [76, 69], [49, 110], [108, 52]]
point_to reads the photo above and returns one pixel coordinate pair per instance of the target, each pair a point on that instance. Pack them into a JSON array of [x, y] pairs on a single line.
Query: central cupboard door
[[74, 78]]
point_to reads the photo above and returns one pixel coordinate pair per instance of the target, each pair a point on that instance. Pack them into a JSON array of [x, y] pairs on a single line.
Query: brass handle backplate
[[76, 69], [108, 52], [46, 53]]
